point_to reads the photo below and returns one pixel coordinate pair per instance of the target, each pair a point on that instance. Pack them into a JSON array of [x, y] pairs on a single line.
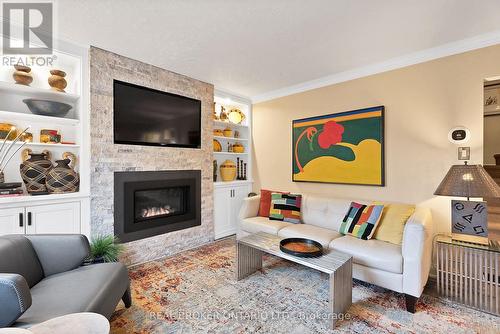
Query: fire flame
[[156, 211]]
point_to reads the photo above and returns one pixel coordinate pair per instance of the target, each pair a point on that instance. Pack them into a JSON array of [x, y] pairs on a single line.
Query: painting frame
[[380, 128], [491, 99]]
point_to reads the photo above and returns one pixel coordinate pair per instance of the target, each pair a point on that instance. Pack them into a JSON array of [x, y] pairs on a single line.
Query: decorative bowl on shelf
[[47, 108], [218, 132], [228, 132], [238, 148]]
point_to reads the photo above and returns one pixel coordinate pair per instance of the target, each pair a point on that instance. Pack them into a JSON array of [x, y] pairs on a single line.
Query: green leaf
[[108, 247]]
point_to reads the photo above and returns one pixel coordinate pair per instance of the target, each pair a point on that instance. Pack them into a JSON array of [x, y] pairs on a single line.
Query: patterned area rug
[[196, 292]]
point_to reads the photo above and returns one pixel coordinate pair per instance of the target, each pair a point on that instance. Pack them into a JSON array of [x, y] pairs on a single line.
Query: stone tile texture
[[107, 157]]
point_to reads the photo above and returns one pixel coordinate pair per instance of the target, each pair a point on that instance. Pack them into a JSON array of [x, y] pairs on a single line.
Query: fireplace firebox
[[149, 203]]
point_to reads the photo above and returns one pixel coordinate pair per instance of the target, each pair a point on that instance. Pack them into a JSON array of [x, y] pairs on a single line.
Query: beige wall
[[491, 138], [423, 102]]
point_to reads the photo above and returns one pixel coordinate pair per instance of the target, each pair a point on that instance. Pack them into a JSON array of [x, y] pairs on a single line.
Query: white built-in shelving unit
[[229, 102], [229, 195], [51, 213]]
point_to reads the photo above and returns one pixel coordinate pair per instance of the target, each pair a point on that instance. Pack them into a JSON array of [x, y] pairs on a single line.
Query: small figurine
[[215, 170], [223, 114], [238, 175]]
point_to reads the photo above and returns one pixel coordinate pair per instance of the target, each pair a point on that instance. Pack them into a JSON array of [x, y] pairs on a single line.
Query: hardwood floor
[[494, 206]]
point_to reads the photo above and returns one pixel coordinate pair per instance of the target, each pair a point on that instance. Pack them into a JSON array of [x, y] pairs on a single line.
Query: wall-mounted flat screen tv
[[144, 116]]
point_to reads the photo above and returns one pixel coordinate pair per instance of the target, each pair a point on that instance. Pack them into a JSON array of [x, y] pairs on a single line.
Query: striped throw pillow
[[285, 207], [361, 220]]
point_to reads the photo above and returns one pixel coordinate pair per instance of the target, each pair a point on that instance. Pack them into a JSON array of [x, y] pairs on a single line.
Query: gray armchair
[[42, 277]]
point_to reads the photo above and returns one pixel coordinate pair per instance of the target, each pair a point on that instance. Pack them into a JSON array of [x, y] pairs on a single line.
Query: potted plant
[[105, 249]]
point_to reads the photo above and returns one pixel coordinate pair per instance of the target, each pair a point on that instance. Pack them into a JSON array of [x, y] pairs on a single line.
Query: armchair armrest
[[250, 207], [60, 252], [16, 298], [417, 251]]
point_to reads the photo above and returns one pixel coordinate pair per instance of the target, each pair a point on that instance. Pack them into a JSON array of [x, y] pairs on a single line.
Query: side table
[[469, 273]]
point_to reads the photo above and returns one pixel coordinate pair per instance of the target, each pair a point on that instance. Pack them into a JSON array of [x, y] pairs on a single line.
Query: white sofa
[[403, 269]]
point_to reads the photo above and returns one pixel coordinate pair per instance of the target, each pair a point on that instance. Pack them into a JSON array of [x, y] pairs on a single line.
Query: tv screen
[[144, 116]]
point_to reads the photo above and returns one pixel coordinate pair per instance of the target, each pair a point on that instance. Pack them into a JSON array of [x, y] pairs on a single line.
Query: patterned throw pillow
[[265, 201], [285, 207], [361, 220]]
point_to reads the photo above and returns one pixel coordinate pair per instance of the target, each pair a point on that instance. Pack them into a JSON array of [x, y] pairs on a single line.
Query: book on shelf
[[12, 191], [10, 185], [12, 195]]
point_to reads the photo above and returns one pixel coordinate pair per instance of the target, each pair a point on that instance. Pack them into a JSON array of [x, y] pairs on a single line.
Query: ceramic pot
[[5, 128], [22, 75], [34, 171], [63, 178], [228, 132], [228, 170], [27, 137], [238, 148], [57, 81], [218, 132]]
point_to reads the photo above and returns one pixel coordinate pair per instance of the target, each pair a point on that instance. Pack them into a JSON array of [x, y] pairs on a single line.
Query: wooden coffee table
[[336, 264]]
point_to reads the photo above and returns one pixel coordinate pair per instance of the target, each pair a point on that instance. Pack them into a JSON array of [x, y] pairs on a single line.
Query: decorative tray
[[301, 247]]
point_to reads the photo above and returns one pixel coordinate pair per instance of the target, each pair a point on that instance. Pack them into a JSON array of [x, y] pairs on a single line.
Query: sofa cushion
[[392, 224], [324, 212], [94, 288], [319, 234], [361, 220], [58, 254], [261, 224], [265, 202], [285, 207], [17, 256], [371, 253]]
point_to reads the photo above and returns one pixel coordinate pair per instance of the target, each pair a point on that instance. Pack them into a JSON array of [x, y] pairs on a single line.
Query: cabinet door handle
[[21, 224], [29, 218]]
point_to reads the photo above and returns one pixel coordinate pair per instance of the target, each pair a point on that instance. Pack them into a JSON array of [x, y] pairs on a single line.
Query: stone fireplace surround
[[108, 158]]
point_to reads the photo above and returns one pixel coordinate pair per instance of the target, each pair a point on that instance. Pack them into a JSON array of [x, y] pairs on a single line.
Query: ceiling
[[252, 47]]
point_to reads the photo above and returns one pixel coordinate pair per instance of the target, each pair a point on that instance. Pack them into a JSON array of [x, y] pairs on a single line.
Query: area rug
[[196, 292]]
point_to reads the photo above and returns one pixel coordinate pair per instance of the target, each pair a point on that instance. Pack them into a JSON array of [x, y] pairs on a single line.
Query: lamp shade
[[468, 181]]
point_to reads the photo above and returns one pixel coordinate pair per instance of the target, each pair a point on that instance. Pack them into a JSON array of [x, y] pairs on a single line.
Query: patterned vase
[[34, 171], [62, 178]]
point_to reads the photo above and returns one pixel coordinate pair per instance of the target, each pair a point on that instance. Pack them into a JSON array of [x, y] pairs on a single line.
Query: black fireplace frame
[[126, 183]]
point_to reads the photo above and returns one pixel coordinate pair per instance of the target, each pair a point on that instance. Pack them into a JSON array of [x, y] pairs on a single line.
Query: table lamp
[[469, 218]]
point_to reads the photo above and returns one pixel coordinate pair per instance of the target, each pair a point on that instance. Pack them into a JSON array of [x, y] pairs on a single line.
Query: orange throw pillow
[[265, 201]]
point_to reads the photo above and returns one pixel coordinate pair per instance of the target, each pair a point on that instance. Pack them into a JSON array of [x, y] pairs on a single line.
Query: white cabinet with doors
[[12, 221], [228, 199], [41, 219]]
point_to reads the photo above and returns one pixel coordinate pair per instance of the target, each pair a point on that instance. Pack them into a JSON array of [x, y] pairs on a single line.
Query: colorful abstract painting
[[346, 147]]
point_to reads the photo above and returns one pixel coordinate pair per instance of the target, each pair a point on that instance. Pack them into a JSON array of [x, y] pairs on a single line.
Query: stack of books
[[11, 189]]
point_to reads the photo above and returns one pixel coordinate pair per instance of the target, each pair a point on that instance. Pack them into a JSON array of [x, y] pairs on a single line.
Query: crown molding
[[449, 49]]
